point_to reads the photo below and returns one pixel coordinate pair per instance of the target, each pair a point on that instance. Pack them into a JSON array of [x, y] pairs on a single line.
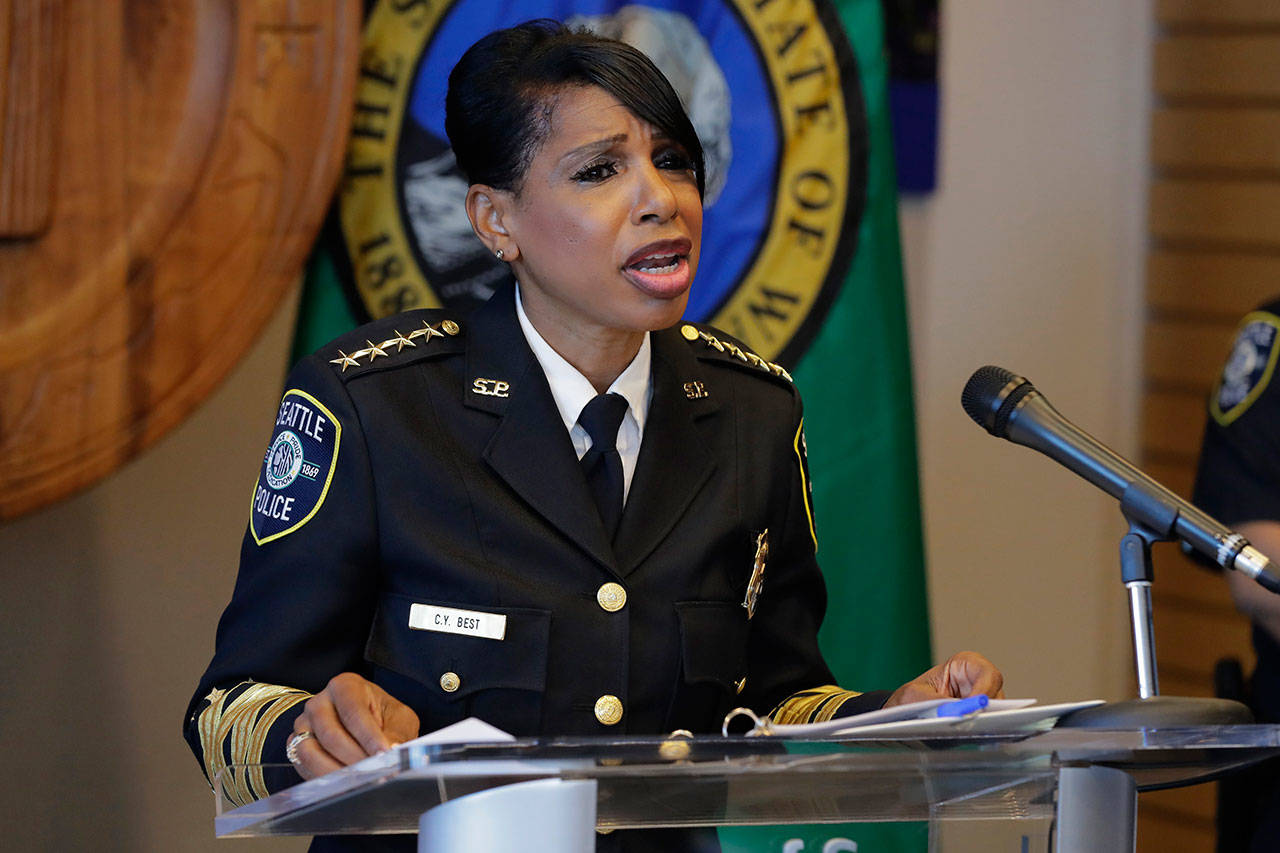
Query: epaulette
[[720, 347], [399, 340]]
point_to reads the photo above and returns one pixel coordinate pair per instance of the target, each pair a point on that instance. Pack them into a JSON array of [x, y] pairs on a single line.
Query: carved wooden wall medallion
[[164, 168]]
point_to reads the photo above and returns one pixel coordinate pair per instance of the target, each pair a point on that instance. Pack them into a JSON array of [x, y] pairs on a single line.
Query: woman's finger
[[400, 723], [360, 707], [331, 731], [970, 674], [310, 758]]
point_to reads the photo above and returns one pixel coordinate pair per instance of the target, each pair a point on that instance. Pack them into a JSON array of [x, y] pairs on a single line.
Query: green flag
[[800, 259]]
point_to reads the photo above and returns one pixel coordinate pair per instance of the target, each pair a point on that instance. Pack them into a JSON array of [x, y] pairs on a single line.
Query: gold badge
[[757, 573], [695, 390], [491, 387]]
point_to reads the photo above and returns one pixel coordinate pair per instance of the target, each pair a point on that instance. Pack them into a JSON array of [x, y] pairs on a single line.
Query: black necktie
[[602, 464]]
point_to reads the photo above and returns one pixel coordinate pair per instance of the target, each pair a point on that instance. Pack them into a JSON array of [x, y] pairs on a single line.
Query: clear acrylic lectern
[[1082, 783]]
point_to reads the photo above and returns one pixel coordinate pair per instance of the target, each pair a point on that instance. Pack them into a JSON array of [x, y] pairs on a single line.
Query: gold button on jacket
[[450, 682], [611, 597], [608, 709]]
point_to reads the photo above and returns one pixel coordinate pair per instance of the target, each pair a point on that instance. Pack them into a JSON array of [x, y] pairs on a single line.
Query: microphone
[[1008, 406]]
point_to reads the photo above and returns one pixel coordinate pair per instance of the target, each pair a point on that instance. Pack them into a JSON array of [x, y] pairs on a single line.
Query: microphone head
[[991, 395]]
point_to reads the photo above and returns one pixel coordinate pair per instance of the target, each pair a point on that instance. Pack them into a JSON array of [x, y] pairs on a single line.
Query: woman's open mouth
[[661, 269]]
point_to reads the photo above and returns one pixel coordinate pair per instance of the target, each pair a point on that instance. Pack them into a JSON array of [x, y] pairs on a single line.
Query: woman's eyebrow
[[595, 146]]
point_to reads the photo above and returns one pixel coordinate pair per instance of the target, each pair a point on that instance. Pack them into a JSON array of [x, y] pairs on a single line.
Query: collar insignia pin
[[695, 390]]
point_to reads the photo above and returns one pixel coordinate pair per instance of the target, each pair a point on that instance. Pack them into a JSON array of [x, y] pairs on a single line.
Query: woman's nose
[[655, 198]]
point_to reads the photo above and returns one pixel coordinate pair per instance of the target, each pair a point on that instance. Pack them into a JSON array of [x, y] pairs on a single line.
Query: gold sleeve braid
[[233, 730], [816, 705]]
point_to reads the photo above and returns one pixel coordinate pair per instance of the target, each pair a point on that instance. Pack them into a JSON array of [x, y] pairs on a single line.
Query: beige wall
[[1028, 257], [109, 604]]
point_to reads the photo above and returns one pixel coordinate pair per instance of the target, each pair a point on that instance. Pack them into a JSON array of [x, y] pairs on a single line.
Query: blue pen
[[961, 707]]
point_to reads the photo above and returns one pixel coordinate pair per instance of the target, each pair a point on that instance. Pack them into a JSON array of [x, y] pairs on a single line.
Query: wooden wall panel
[[1194, 639], [1177, 476], [1224, 67], [1185, 352], [1244, 214], [1173, 423], [1214, 227], [1188, 801], [1173, 683], [1166, 830], [1220, 139], [1218, 12], [1180, 580], [1213, 287]]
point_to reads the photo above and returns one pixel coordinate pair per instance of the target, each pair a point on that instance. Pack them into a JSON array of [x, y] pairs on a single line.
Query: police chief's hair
[[502, 92]]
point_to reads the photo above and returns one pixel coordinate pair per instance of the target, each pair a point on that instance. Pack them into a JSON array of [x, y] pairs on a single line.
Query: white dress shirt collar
[[572, 391]]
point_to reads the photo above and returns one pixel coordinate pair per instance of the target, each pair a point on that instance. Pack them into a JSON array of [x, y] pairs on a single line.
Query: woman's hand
[[962, 674], [351, 719]]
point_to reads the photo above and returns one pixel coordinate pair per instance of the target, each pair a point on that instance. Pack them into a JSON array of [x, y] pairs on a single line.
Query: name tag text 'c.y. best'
[[450, 620]]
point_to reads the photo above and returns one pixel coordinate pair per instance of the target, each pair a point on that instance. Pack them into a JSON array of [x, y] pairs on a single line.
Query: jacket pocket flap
[[713, 640], [518, 661]]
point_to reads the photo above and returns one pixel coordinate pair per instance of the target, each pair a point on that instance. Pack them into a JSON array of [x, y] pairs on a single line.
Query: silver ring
[[291, 748]]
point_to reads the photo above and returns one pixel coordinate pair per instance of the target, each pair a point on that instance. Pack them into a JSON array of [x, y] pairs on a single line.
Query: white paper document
[[470, 730], [932, 717]]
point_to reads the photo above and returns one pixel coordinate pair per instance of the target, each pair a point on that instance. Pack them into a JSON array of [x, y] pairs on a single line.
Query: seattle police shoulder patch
[[296, 469], [1248, 369]]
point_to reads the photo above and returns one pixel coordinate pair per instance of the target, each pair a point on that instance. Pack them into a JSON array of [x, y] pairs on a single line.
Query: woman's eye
[[595, 172], [674, 160]]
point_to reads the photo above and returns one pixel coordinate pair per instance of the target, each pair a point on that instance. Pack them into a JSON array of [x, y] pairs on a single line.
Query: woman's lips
[[664, 282], [661, 269], [660, 248]]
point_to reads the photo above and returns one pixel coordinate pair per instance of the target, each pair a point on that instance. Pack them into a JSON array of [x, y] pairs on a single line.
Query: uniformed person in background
[[566, 514], [1238, 482]]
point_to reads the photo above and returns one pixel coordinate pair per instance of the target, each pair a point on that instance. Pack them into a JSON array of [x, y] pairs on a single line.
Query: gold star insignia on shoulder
[[345, 360], [215, 695], [746, 356], [400, 341], [426, 331]]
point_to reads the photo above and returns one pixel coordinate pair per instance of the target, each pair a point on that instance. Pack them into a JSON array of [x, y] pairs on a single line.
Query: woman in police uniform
[[549, 514]]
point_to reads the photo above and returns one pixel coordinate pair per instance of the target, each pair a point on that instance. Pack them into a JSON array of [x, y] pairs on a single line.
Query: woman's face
[[607, 223]]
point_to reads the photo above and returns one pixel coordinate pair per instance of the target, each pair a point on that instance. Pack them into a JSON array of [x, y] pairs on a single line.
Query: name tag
[[450, 620]]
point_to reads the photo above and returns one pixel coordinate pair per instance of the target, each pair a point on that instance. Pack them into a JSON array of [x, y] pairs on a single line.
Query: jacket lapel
[[673, 465], [530, 449]]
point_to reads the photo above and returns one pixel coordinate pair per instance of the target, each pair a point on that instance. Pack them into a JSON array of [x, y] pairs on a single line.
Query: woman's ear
[[487, 209]]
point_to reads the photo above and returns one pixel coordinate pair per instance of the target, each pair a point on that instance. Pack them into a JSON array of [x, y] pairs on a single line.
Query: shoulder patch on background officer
[[1248, 369], [396, 340], [297, 467], [713, 345]]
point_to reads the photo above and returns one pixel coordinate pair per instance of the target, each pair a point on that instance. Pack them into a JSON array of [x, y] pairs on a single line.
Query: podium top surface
[[706, 780]]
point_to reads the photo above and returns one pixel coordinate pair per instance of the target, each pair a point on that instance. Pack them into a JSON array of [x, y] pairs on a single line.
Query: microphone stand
[[1151, 519]]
